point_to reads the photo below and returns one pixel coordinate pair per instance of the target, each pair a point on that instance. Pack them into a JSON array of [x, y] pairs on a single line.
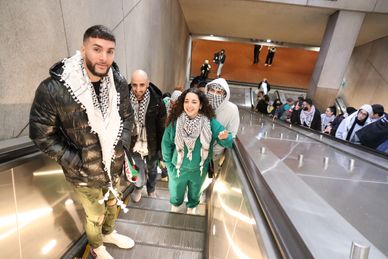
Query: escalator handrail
[[17, 151]]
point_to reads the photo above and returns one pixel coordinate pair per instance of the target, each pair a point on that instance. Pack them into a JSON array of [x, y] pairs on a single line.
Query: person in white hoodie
[[354, 122], [227, 112]]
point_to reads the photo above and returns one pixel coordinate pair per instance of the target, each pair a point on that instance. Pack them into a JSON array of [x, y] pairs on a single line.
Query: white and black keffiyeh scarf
[[140, 107], [103, 117], [187, 132], [215, 100], [307, 116]]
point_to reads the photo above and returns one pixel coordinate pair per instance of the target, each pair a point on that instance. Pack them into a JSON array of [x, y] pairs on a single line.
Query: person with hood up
[[218, 94], [150, 115], [187, 147], [354, 122]]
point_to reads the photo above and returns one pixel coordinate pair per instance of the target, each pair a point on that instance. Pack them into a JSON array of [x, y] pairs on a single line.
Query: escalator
[[283, 192], [44, 220], [159, 233]]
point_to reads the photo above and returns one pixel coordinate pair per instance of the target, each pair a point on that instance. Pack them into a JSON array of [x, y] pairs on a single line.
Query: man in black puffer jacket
[[150, 114], [81, 117]]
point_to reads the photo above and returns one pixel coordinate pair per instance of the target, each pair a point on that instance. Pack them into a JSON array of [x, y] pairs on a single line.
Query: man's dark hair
[[333, 109], [100, 32], [378, 108], [202, 84], [350, 110], [166, 94], [309, 101]]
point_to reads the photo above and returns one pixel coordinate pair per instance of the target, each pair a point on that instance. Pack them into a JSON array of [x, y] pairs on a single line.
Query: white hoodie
[[227, 114]]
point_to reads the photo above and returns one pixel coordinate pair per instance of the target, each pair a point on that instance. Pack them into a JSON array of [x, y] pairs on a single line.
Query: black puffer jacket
[[155, 118], [59, 127]]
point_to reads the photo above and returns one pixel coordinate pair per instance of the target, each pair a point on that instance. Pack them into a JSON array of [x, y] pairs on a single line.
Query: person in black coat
[[256, 53], [310, 116], [205, 69], [81, 117], [150, 114], [219, 59], [270, 56]]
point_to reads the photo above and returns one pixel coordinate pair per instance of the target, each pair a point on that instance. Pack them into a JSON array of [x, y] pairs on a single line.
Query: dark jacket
[[262, 106], [154, 121], [316, 123], [59, 127], [374, 134]]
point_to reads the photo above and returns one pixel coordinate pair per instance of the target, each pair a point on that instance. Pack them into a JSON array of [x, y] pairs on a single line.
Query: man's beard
[[92, 68]]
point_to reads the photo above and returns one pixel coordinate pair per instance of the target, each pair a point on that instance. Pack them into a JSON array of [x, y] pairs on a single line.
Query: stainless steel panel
[[48, 218], [9, 235], [232, 230]]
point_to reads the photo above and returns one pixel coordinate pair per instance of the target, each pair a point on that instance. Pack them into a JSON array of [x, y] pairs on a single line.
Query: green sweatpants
[[94, 211], [190, 179]]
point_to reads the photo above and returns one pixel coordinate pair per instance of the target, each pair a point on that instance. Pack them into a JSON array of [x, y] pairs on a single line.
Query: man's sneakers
[[101, 253], [136, 195], [118, 240]]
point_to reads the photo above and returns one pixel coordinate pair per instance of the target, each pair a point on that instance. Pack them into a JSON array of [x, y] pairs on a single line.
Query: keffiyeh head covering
[[215, 100], [187, 132]]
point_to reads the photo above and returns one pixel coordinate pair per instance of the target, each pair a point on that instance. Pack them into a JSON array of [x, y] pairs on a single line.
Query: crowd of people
[[88, 118], [367, 125]]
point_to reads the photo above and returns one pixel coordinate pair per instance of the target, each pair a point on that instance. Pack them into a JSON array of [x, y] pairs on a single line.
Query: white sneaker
[[119, 240], [136, 195], [174, 208], [192, 210], [101, 253]]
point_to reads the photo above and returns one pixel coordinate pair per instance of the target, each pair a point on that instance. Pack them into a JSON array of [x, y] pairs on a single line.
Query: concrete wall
[[151, 35], [366, 78]]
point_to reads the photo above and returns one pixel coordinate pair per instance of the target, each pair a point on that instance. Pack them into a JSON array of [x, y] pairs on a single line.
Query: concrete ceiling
[[279, 22]]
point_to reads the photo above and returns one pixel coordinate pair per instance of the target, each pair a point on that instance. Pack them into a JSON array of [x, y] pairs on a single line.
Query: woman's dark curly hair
[[206, 109]]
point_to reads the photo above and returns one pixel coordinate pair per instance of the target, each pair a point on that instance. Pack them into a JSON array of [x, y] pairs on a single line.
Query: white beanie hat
[[367, 108]]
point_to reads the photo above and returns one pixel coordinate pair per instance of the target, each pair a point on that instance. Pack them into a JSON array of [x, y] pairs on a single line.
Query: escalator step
[[154, 252], [164, 219], [162, 236], [162, 205]]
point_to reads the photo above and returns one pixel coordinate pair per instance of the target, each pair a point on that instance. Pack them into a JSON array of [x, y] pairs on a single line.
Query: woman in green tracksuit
[[187, 146]]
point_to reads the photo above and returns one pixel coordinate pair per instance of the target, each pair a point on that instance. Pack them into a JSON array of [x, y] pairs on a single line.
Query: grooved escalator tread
[[164, 219]]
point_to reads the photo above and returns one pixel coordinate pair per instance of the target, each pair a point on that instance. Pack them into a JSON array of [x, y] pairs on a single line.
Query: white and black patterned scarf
[[215, 100], [140, 107], [307, 116], [187, 132], [101, 101], [104, 118]]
